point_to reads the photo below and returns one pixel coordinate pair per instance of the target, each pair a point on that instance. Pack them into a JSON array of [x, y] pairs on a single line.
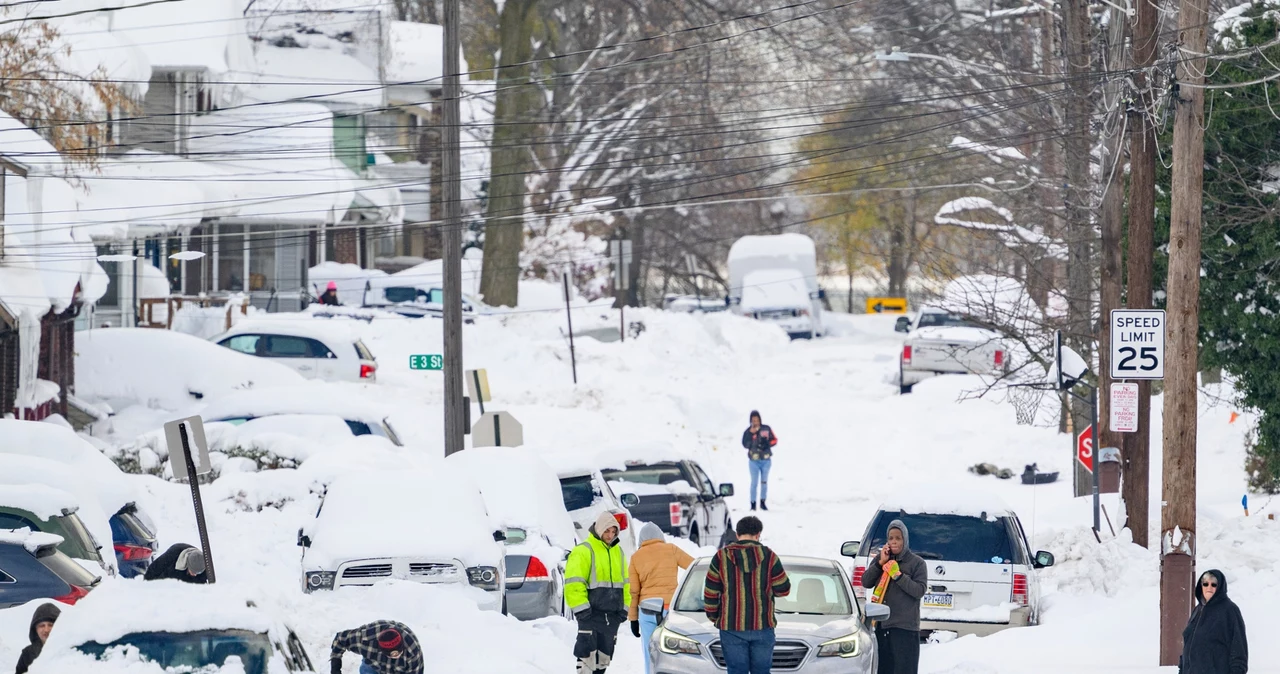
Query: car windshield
[[952, 538], [815, 590], [933, 320], [658, 473], [578, 492], [194, 650]]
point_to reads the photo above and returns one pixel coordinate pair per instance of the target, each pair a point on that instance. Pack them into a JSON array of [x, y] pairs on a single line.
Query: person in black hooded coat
[[1214, 640], [180, 562], [45, 614]]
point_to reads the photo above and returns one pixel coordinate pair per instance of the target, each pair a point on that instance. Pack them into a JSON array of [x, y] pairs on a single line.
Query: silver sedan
[[820, 627]]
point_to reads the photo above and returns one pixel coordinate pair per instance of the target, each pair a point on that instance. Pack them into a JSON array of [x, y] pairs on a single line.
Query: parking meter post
[[497, 432], [573, 359], [199, 505]]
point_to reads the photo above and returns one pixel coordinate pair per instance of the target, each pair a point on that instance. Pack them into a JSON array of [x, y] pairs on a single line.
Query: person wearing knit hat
[[385, 646], [180, 562], [597, 590], [654, 571], [759, 441], [330, 296]]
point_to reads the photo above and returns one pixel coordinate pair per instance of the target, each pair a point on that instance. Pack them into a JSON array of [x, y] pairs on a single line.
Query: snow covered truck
[[775, 279]]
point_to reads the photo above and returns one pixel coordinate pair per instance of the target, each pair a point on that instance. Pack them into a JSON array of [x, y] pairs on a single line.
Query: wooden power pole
[[454, 406], [1111, 218], [1136, 450], [1178, 517]]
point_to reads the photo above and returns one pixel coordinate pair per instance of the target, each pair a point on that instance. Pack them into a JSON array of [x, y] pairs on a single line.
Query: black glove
[[635, 628], [335, 667]]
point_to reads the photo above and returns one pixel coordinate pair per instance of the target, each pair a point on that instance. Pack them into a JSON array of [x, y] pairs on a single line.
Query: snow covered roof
[[40, 500], [93, 50], [415, 61], [753, 253], [114, 610], [318, 75], [774, 289], [520, 490], [47, 488], [313, 397], [31, 540], [206, 34], [123, 366], [426, 512]]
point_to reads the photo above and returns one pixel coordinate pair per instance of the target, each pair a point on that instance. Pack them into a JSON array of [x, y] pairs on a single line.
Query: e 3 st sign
[[1137, 344]]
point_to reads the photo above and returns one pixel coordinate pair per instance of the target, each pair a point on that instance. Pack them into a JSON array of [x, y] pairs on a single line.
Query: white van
[[982, 575], [775, 279]]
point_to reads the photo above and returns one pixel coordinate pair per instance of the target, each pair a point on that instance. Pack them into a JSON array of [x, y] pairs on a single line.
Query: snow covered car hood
[[955, 334]]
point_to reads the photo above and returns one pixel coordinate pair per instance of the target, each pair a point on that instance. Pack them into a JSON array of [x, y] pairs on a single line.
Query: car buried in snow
[[586, 494], [177, 626], [315, 349], [678, 497], [425, 525], [32, 567], [982, 573], [941, 342], [821, 629], [312, 410]]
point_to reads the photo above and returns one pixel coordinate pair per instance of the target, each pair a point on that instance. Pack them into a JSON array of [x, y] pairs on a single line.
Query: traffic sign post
[[423, 361], [186, 442], [1137, 344]]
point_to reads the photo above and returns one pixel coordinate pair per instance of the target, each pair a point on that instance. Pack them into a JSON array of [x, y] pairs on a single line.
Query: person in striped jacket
[[744, 580]]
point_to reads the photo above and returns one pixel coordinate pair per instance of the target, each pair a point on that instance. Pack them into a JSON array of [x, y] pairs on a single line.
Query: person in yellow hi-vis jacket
[[597, 590]]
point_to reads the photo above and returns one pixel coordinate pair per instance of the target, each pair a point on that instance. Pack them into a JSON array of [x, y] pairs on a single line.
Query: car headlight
[[845, 647], [320, 580], [670, 642], [483, 577]]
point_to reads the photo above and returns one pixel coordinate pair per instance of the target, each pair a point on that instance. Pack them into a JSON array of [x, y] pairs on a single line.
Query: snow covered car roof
[[774, 288], [40, 500], [31, 540], [947, 499], [434, 512], [47, 489], [520, 491], [314, 397], [125, 366], [303, 325], [58, 457]]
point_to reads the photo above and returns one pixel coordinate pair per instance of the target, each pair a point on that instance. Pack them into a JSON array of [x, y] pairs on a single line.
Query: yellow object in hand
[[892, 569]]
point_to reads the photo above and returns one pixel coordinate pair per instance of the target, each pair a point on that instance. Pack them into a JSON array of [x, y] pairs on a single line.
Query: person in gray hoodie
[[898, 637]]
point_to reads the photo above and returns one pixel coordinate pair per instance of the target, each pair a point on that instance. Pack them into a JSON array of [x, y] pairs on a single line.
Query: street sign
[[199, 448], [1084, 448], [620, 254], [426, 361], [886, 305], [1137, 344], [1124, 408], [478, 386], [497, 429]]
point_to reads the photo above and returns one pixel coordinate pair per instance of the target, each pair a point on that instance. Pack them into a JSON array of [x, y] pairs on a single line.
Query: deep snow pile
[[848, 442]]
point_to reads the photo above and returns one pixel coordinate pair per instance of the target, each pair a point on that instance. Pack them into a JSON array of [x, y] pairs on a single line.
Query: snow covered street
[[848, 441]]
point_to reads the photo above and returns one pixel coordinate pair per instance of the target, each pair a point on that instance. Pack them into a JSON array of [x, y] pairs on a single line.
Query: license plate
[[938, 600]]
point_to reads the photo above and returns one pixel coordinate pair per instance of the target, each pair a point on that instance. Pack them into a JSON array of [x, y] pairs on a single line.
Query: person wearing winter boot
[[41, 625], [597, 588], [180, 562], [385, 646], [654, 571], [759, 441], [906, 577], [1214, 640]]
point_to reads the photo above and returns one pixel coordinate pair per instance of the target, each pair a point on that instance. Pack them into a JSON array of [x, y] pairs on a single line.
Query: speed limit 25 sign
[[1137, 344]]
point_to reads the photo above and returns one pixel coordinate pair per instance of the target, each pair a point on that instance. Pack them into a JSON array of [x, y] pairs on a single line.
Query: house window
[[231, 258], [262, 261], [349, 141]]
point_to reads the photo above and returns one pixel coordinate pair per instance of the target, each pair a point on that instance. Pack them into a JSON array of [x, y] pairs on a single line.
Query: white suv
[[586, 494], [312, 348], [982, 575]]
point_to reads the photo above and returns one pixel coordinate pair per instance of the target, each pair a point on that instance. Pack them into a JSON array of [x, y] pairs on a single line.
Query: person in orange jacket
[[654, 570]]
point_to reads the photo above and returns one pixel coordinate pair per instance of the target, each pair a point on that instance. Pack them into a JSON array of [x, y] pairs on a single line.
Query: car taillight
[[133, 553], [999, 358], [537, 570], [76, 594], [622, 520], [804, 312], [1021, 589], [677, 515], [906, 353], [858, 590], [367, 371]]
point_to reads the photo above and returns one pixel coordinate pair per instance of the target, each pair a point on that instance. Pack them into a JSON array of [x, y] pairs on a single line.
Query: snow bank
[[76, 460], [520, 490], [341, 400], [156, 368], [40, 500]]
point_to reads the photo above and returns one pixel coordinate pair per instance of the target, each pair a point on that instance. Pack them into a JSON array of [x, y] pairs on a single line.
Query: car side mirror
[[850, 549], [499, 536], [1044, 559], [304, 541], [726, 489], [876, 611], [629, 500], [903, 324]]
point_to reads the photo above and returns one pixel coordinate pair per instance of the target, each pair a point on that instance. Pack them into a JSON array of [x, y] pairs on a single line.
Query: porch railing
[[174, 303]]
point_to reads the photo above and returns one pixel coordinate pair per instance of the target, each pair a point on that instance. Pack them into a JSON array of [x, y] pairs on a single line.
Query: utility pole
[[454, 406], [1136, 452], [1178, 517], [1112, 221]]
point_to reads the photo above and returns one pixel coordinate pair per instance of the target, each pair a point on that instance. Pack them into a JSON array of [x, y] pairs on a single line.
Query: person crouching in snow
[[759, 441], [330, 296], [899, 577], [597, 590], [654, 570], [41, 626], [385, 646], [1214, 640], [180, 562]]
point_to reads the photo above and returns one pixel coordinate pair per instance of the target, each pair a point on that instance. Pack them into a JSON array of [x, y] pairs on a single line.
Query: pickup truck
[[679, 498], [943, 342]]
